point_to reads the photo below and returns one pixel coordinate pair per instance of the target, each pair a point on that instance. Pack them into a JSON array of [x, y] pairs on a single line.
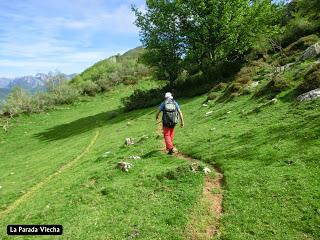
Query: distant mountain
[[29, 83], [4, 93], [37, 81], [4, 82]]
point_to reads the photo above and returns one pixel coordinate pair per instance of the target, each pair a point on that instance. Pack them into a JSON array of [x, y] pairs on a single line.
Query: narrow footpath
[[204, 220], [40, 184]]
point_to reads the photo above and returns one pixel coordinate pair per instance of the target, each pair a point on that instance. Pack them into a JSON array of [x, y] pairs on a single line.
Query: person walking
[[171, 114]]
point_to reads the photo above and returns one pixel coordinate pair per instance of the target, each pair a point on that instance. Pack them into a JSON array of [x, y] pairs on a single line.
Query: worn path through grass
[[204, 220]]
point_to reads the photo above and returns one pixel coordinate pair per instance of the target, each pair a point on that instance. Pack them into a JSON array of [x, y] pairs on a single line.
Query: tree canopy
[[179, 34]]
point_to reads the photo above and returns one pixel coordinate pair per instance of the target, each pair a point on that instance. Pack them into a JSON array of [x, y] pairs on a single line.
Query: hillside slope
[[269, 159]]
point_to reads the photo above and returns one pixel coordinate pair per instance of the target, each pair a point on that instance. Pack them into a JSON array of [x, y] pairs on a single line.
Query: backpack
[[170, 115]]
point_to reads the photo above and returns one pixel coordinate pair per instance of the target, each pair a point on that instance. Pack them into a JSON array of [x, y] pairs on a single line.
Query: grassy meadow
[[269, 159]]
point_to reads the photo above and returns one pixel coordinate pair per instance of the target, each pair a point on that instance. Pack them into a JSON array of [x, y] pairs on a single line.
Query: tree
[[177, 33], [161, 36]]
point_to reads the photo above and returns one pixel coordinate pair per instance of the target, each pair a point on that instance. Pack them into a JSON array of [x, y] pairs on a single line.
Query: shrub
[[219, 87], [43, 101], [18, 101], [65, 93], [297, 28], [89, 88], [301, 44], [104, 84], [130, 79], [143, 99], [244, 75], [311, 80], [212, 96]]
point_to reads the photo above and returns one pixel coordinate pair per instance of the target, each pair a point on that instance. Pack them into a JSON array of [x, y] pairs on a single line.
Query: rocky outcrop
[[311, 52], [309, 96]]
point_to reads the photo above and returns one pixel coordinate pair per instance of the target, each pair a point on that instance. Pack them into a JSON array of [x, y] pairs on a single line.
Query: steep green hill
[[114, 70], [60, 167]]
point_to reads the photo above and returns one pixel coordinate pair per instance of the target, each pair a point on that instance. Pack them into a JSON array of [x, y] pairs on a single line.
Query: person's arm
[[181, 118], [160, 110]]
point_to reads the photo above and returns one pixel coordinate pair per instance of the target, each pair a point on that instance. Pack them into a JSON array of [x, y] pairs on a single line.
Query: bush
[[244, 75], [297, 28], [18, 101], [301, 44], [311, 80], [104, 84], [89, 88], [187, 86], [43, 101], [130, 79], [64, 94], [219, 87], [212, 96]]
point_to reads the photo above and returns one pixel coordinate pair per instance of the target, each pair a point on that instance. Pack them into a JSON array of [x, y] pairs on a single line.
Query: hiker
[[171, 114]]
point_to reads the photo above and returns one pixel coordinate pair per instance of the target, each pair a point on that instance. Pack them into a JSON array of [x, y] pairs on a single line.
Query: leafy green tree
[[203, 32], [310, 8], [160, 33]]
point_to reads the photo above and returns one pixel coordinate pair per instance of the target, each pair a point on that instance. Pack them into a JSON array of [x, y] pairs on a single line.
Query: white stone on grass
[[134, 157], [125, 166], [206, 170], [309, 96], [129, 141]]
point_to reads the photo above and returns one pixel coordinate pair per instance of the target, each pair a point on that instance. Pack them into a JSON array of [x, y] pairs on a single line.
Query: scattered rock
[[254, 84], [212, 129], [125, 166], [196, 167], [206, 170], [134, 157], [273, 101], [205, 105], [0, 187], [209, 113], [309, 96], [129, 124], [283, 68], [129, 141], [311, 52], [229, 112]]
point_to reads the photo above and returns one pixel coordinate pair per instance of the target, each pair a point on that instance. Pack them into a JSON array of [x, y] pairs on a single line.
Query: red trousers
[[168, 134]]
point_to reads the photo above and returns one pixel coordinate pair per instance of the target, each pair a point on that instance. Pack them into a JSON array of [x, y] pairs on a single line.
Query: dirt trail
[[210, 203], [36, 187]]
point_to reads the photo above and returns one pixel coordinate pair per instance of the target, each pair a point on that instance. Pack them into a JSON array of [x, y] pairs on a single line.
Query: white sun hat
[[168, 95]]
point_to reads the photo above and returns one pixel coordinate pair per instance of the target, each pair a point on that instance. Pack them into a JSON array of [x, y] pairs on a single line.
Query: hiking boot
[[170, 152]]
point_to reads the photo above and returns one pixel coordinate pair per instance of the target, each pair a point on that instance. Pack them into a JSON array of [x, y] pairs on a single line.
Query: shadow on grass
[[89, 123], [80, 126]]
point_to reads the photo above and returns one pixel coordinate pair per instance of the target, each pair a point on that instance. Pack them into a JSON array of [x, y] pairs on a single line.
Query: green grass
[[270, 161], [93, 199]]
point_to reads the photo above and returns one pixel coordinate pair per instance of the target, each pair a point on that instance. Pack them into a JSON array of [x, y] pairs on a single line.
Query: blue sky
[[65, 35]]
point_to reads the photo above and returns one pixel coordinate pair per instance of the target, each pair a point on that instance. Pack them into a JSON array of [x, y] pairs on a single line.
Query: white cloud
[[36, 42]]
